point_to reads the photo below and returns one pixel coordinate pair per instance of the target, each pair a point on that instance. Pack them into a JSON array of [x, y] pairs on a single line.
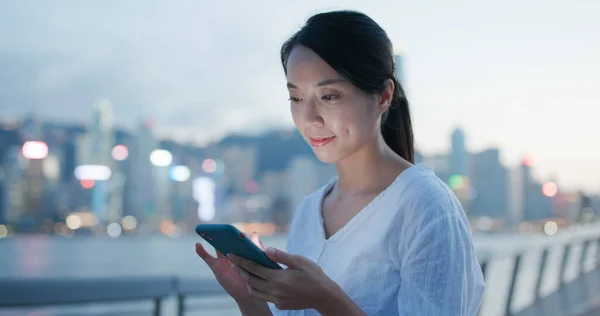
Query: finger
[[292, 261], [256, 240], [250, 266], [202, 253], [254, 282], [220, 255], [260, 294]]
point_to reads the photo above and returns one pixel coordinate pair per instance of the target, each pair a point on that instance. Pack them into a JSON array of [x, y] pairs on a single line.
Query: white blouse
[[408, 252]]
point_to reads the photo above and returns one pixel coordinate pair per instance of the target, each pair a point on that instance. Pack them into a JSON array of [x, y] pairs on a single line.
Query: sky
[[523, 76]]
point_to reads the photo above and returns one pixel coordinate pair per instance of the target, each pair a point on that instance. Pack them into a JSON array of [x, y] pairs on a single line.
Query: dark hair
[[360, 50]]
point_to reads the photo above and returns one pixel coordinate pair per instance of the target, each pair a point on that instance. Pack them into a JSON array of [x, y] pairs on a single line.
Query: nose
[[312, 115]]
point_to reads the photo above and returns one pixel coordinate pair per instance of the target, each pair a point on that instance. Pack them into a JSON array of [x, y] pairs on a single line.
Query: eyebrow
[[320, 84]]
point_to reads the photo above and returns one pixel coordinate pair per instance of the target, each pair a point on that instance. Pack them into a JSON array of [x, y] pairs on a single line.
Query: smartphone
[[227, 239]]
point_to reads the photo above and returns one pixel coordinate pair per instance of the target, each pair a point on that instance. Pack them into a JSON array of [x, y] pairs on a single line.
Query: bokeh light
[[204, 194], [550, 228], [161, 158], [3, 231], [35, 150], [120, 152], [87, 184], [129, 222], [456, 182], [73, 221], [550, 189], [209, 165], [92, 172], [180, 173], [113, 230]]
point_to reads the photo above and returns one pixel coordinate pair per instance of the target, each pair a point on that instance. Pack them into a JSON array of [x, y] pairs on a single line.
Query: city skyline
[[247, 175], [527, 87], [457, 159]]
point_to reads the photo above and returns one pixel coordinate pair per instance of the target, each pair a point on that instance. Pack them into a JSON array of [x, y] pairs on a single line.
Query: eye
[[294, 99], [330, 97]]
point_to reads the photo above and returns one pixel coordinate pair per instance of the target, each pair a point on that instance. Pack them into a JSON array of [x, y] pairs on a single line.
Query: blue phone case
[[228, 239]]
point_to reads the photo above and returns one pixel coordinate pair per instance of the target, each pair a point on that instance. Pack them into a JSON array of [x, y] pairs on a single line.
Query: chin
[[326, 156]]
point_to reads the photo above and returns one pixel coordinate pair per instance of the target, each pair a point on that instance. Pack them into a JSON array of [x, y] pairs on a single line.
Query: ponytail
[[396, 125]]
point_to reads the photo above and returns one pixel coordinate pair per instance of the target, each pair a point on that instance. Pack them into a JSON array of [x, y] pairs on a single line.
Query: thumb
[[256, 240], [292, 261]]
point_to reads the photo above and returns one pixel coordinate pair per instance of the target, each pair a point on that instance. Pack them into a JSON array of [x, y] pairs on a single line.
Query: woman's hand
[[227, 277], [302, 285]]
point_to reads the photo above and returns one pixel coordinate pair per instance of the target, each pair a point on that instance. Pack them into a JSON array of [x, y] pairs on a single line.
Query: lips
[[320, 141]]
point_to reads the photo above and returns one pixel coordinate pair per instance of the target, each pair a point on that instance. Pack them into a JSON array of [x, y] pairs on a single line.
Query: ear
[[387, 95]]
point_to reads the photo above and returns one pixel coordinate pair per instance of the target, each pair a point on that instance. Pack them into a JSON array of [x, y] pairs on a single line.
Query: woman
[[385, 237]]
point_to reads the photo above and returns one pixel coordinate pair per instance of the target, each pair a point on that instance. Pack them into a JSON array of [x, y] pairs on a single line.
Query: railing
[[47, 292], [571, 298], [575, 297]]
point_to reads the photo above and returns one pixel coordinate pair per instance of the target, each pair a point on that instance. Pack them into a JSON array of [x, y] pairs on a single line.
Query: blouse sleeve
[[439, 271]]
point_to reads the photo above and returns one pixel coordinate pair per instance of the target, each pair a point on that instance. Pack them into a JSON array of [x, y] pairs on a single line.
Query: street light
[[161, 158]]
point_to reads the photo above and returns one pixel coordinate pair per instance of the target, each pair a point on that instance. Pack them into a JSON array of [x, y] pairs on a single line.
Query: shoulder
[[426, 199], [425, 207]]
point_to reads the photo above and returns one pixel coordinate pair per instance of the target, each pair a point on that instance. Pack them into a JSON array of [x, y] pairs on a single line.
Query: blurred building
[[399, 69], [142, 201], [304, 178], [13, 187], [517, 181], [490, 182], [440, 165], [9, 144], [95, 150], [275, 185], [459, 156], [34, 150], [240, 166], [419, 158]]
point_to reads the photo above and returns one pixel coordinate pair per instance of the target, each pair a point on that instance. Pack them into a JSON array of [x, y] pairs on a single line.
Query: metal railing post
[[564, 297], [513, 281], [483, 266], [540, 278], [584, 253], [597, 259], [157, 306], [180, 304]]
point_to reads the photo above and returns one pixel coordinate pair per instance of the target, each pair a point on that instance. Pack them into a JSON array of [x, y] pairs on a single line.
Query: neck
[[369, 169]]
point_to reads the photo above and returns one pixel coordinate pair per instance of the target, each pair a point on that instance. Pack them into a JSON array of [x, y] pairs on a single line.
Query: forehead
[[305, 66]]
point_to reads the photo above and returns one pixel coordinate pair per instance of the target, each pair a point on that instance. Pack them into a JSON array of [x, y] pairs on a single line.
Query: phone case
[[228, 239]]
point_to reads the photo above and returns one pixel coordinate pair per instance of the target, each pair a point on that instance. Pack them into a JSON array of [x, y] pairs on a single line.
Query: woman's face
[[335, 117]]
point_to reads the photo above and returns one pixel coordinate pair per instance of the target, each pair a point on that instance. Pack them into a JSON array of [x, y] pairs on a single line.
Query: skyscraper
[[9, 139], [399, 68], [490, 181], [143, 186], [459, 155], [101, 140], [516, 197]]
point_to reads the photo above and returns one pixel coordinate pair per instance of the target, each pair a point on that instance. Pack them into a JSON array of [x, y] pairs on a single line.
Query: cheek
[[296, 118], [353, 124]]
